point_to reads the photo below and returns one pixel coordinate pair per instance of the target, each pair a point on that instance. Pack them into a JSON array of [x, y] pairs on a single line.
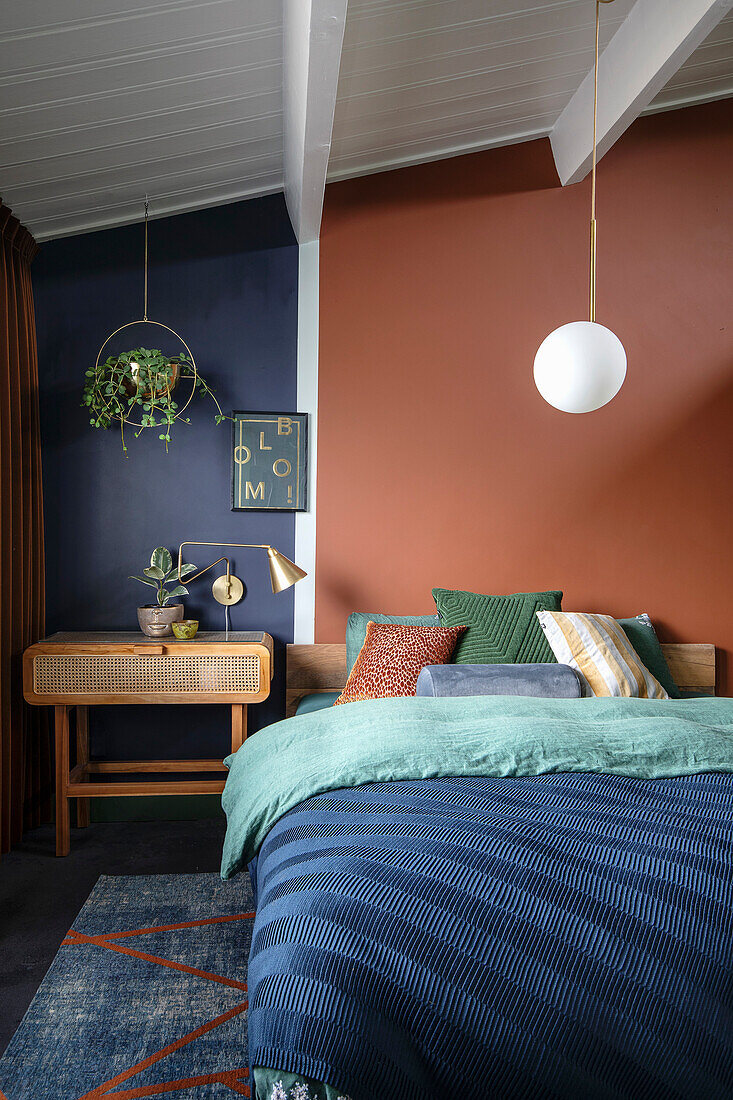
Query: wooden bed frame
[[322, 667]]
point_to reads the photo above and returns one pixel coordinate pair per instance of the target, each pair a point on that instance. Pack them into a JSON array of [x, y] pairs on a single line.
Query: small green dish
[[186, 629]]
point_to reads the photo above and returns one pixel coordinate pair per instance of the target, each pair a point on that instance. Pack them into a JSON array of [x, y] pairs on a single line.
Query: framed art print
[[269, 462]]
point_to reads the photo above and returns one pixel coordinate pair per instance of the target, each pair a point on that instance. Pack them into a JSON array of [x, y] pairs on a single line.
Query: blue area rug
[[146, 997]]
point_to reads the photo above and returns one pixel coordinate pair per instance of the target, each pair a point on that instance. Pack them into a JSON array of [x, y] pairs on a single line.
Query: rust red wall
[[439, 463]]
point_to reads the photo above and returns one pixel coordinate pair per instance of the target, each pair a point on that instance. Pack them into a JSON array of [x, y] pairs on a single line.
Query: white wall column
[[305, 522]]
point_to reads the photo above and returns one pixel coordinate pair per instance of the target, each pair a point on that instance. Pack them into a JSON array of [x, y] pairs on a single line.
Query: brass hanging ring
[[159, 324]]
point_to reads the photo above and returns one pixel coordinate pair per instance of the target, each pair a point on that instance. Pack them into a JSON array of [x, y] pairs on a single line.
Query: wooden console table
[[73, 670]]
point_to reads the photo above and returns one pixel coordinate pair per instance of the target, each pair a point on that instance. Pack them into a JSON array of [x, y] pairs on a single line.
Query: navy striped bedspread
[[561, 935]]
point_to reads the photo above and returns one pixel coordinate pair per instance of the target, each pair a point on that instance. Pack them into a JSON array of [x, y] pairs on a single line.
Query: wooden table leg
[[239, 725], [62, 778], [82, 757]]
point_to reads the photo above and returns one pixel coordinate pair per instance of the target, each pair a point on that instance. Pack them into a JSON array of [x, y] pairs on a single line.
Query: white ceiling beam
[[652, 43], [313, 34]]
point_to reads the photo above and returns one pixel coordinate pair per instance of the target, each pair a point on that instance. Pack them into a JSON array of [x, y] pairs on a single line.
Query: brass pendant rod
[[593, 175], [593, 229], [145, 292]]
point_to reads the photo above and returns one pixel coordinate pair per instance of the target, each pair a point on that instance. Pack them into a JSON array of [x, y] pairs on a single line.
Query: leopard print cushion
[[392, 657]]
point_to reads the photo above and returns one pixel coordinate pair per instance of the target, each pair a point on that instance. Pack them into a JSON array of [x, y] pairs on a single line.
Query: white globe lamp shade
[[580, 367]]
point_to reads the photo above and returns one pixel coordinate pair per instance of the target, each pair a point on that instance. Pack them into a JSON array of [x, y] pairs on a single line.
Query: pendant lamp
[[581, 366]]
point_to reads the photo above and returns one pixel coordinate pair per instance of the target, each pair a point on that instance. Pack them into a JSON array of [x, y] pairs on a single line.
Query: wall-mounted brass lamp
[[228, 589]]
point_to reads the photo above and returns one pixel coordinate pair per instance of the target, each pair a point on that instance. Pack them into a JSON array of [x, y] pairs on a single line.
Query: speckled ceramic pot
[[186, 629], [156, 621]]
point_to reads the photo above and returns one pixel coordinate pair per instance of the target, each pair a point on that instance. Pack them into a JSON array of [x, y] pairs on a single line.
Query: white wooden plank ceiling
[[706, 75], [425, 79], [102, 101]]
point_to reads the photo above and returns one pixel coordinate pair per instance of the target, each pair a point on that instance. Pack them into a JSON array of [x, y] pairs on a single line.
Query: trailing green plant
[[137, 386], [159, 572]]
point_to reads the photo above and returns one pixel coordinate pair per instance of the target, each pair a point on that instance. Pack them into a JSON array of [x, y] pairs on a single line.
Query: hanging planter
[[136, 388]]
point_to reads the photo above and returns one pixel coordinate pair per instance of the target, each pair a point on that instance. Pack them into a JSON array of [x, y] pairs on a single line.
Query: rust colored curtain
[[25, 762]]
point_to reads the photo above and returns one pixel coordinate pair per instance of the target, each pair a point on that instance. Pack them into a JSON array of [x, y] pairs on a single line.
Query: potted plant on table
[[155, 618]]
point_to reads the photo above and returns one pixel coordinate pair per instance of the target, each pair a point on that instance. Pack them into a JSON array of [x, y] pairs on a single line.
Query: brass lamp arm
[[229, 589], [202, 571], [247, 545]]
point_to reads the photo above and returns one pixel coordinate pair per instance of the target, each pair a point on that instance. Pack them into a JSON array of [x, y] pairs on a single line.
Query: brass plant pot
[[156, 621], [132, 389]]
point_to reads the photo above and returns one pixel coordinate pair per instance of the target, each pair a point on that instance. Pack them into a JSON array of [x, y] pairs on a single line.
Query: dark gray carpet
[[40, 895]]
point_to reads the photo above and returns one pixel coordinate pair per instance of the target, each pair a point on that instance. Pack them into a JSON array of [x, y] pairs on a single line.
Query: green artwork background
[[269, 461]]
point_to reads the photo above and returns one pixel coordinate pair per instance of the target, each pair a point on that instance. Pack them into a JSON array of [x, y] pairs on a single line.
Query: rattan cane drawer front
[[120, 675]]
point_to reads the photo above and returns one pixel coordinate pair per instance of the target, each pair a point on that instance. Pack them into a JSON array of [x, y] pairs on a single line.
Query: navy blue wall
[[226, 280]]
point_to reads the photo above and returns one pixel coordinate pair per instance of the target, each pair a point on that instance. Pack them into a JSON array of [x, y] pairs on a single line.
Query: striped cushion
[[598, 649]]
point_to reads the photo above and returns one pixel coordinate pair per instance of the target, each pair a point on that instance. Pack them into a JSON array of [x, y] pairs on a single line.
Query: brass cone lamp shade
[[283, 571]]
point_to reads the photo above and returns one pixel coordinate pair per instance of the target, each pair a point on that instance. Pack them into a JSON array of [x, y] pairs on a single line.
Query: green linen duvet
[[422, 738]]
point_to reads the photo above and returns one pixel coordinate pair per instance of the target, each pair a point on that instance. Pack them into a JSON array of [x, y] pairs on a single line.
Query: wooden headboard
[[322, 667]]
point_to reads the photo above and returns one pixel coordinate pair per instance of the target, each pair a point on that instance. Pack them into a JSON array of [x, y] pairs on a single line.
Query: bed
[[552, 923]]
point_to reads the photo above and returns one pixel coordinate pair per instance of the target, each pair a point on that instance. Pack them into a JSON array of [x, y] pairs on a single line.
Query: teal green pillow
[[356, 626], [319, 700], [643, 637], [502, 630]]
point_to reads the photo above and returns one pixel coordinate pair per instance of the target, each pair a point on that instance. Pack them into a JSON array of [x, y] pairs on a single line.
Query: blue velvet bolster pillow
[[539, 681]]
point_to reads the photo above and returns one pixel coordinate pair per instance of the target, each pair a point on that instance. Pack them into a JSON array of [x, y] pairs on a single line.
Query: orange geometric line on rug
[[161, 928], [106, 1087], [99, 941], [232, 1079]]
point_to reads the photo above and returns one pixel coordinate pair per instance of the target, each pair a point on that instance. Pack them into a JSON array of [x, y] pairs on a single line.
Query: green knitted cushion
[[502, 630]]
